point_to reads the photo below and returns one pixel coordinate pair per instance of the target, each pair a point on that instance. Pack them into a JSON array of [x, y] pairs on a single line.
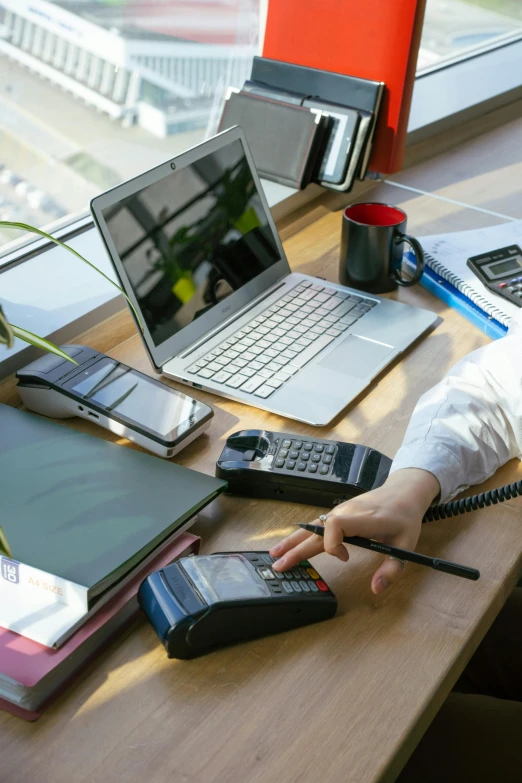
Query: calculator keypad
[[305, 457], [302, 579]]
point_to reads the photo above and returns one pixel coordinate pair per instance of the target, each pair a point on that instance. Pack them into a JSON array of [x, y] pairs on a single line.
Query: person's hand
[[391, 514]]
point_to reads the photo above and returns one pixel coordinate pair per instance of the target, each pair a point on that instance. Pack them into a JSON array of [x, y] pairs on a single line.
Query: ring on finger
[[398, 559], [323, 518]]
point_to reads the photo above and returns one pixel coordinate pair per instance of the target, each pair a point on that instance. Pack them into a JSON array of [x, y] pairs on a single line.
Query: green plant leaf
[[33, 230], [39, 342], [4, 546], [6, 333]]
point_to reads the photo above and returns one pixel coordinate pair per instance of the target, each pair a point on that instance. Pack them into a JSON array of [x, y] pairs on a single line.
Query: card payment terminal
[[202, 602]]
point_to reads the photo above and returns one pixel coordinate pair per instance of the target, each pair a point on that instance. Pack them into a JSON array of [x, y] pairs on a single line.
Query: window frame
[[477, 82]]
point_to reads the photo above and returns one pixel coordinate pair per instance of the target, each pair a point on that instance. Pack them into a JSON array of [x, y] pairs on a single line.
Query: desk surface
[[343, 701]]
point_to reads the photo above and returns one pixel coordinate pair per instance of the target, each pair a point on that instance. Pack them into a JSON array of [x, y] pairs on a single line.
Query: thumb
[[388, 572]]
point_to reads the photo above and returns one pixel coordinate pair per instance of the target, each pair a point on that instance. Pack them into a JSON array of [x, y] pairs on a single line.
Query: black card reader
[[278, 465], [199, 603]]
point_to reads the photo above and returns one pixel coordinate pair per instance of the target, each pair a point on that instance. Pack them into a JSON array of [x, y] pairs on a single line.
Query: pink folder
[[28, 662]]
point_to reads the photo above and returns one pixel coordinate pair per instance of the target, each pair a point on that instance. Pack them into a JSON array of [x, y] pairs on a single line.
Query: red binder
[[373, 39]]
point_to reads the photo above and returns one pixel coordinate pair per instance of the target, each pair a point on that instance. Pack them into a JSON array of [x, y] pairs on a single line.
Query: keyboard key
[[305, 283], [247, 342], [231, 354], [255, 365], [297, 444], [279, 463], [248, 356], [348, 320], [293, 320], [301, 329], [286, 340], [217, 352], [312, 467], [319, 448], [236, 381], [271, 353], [275, 366], [215, 366], [316, 458], [308, 354], [265, 373], [208, 358], [308, 323], [342, 327], [296, 587], [330, 291], [323, 470], [317, 287], [330, 449], [263, 359], [259, 332], [304, 341], [333, 331], [344, 308], [280, 332], [282, 376], [256, 349], [301, 466], [264, 391], [222, 377], [286, 444], [274, 382], [308, 446], [222, 360], [238, 363], [263, 344], [331, 304], [277, 318], [283, 452], [322, 312], [304, 586], [206, 373], [321, 297], [318, 329], [253, 383], [327, 459], [291, 307], [294, 454], [305, 456], [341, 295], [288, 354], [313, 587], [195, 369]]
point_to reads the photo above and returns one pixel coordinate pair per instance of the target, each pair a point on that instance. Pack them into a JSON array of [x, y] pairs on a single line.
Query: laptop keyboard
[[276, 345]]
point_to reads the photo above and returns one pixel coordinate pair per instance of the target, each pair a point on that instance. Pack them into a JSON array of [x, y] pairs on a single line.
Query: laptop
[[196, 250]]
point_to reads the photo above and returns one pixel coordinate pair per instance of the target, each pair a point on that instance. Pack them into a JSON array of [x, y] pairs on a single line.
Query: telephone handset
[[319, 472]]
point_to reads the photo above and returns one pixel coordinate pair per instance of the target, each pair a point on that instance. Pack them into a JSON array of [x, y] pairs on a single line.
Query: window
[[456, 28], [96, 92]]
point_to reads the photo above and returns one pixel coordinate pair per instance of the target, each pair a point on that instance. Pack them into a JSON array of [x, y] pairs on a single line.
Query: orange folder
[[373, 39]]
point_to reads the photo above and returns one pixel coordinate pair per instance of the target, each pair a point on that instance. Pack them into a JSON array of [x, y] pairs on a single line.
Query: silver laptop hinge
[[240, 313]]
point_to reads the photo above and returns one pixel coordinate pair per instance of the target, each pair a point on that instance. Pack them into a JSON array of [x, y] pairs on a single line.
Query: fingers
[[289, 542], [388, 572], [304, 551], [333, 538]]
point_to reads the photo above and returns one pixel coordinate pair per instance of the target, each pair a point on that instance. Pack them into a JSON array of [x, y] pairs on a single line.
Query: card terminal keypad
[[303, 579]]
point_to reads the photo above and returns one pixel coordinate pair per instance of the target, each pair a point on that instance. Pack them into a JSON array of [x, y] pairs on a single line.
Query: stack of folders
[[83, 521], [295, 133]]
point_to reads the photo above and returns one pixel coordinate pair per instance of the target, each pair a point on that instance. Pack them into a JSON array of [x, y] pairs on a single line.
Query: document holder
[[286, 145]]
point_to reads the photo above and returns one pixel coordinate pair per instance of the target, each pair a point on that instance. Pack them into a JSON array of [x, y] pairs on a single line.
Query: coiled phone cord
[[471, 503]]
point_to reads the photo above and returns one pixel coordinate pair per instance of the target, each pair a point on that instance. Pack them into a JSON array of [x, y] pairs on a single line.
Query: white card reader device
[[118, 398]]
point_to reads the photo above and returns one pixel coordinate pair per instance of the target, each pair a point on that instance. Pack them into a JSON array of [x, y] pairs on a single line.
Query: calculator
[[500, 271], [199, 603], [279, 465]]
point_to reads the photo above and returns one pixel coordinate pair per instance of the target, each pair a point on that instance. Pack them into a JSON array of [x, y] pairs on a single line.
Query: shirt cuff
[[436, 459]]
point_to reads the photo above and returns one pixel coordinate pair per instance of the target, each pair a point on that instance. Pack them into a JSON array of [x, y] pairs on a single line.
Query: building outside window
[[93, 92]]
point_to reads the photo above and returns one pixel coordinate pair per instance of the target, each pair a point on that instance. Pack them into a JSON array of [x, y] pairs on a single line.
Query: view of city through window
[[93, 92]]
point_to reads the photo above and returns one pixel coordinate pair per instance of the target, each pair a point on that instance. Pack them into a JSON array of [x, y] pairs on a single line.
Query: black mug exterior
[[371, 255]]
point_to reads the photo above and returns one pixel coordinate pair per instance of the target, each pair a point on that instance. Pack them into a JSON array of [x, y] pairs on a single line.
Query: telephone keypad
[[309, 456]]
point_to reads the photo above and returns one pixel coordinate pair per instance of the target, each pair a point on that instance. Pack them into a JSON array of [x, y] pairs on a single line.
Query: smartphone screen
[[134, 397]]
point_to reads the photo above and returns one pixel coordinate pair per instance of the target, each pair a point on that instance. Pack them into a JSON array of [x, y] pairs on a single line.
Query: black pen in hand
[[403, 554]]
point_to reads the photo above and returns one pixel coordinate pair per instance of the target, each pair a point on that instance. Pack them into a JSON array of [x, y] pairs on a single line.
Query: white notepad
[[446, 255]]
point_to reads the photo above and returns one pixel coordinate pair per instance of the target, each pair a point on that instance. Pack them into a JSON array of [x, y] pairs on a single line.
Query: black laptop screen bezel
[[209, 322]]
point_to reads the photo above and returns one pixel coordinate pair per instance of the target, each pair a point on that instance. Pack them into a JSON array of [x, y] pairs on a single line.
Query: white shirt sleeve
[[470, 424]]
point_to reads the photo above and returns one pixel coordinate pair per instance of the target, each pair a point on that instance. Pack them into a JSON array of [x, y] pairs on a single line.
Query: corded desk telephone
[[319, 472]]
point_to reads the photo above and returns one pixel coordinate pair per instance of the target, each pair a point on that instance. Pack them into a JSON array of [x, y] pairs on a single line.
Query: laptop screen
[[189, 240]]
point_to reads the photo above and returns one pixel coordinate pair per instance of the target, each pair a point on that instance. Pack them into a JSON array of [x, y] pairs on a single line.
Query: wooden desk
[[340, 702]]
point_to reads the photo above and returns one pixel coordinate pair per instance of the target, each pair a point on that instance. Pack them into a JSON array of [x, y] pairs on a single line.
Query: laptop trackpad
[[356, 356]]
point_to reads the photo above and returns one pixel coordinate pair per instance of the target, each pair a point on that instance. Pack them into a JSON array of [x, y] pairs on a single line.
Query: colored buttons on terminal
[[321, 585], [265, 573], [313, 573], [305, 563]]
